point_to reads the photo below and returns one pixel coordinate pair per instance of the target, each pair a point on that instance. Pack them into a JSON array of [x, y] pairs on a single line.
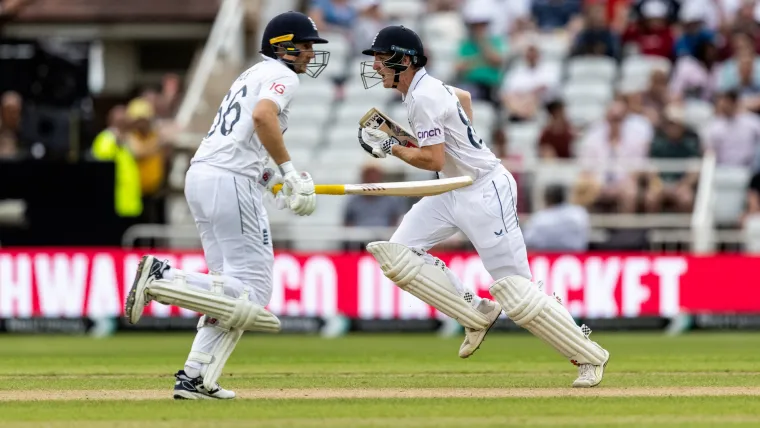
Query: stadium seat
[[341, 136], [698, 113], [302, 136], [638, 68], [553, 46], [522, 139], [591, 68], [730, 189], [752, 234], [564, 174], [583, 113], [590, 92], [484, 117], [406, 8], [444, 26]]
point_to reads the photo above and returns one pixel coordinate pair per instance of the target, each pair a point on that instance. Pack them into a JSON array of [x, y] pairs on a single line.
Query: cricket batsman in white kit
[[485, 212], [224, 192]]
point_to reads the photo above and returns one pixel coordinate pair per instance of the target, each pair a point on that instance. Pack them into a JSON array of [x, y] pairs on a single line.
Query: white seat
[[522, 139], [730, 193], [349, 114], [587, 92], [484, 117], [638, 68], [591, 68], [442, 26], [583, 113], [554, 46], [405, 8], [308, 112], [302, 136], [309, 91], [698, 112], [341, 137]]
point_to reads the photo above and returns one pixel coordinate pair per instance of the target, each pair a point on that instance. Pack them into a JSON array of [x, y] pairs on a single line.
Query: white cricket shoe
[[148, 269], [590, 375], [473, 338], [187, 388]]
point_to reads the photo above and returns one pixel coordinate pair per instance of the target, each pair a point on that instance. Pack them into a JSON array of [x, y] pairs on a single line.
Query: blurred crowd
[[702, 92]]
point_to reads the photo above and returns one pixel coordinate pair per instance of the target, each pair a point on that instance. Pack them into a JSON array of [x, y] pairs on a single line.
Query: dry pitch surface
[[382, 380]]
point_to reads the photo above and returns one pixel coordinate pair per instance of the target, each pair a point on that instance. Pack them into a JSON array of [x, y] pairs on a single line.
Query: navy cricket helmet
[[398, 41], [284, 31]]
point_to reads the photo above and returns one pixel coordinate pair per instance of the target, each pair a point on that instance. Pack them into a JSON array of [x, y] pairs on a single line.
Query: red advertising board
[[93, 282]]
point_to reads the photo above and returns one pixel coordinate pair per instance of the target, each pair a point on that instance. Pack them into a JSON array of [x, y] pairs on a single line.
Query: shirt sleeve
[[427, 119], [279, 88]]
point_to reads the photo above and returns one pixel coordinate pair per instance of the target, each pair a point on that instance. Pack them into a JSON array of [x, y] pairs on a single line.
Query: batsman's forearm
[[416, 158], [268, 130]]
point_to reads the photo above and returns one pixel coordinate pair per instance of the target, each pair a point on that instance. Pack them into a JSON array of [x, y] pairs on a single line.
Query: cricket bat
[[400, 188], [376, 119]]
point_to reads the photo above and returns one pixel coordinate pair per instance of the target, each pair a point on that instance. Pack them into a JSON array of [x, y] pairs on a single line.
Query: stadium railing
[[695, 231]]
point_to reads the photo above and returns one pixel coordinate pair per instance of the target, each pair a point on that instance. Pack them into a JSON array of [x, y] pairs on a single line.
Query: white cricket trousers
[[485, 212], [234, 229]]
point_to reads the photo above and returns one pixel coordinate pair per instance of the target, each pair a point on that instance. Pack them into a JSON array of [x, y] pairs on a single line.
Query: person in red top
[[651, 33]]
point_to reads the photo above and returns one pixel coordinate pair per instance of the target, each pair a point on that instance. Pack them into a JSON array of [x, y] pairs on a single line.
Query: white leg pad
[[427, 282], [213, 363], [231, 312], [546, 318]]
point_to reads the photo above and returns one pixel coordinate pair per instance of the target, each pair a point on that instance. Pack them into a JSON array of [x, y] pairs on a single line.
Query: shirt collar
[[415, 81]]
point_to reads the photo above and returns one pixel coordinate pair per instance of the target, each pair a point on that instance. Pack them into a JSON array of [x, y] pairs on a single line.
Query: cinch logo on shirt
[[430, 133]]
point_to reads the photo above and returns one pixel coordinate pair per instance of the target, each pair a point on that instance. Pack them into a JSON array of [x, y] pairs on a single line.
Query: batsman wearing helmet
[[485, 212], [223, 192]]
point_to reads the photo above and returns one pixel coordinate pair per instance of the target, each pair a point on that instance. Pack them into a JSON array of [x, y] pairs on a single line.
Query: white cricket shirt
[[231, 143], [437, 117]]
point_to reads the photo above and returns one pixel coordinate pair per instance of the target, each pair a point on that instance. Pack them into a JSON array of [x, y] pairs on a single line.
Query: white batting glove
[[376, 142], [269, 179], [299, 190]]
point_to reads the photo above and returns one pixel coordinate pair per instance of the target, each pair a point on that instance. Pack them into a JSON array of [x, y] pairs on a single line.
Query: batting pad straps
[[213, 363], [547, 319], [230, 312], [427, 282]]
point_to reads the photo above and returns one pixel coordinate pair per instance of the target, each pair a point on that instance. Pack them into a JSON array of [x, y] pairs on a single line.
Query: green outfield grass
[[381, 380]]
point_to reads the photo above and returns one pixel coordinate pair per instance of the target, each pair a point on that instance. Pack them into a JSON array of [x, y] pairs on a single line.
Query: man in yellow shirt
[[148, 149]]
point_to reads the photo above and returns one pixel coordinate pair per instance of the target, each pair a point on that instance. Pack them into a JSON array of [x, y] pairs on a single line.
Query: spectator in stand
[[8, 146], [510, 19], [11, 108], [369, 22], [524, 89], [612, 154], [651, 102], [561, 226], [651, 33], [746, 26], [597, 38], [148, 149], [692, 18], [558, 134], [733, 134], [673, 140], [481, 55], [552, 15], [110, 145], [333, 15], [696, 77], [742, 74], [672, 9]]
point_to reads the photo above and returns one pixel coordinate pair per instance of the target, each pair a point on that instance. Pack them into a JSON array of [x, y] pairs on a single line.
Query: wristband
[[286, 167]]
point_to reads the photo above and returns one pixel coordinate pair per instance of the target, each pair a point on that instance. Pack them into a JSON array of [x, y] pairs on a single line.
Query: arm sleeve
[[280, 89], [427, 119]]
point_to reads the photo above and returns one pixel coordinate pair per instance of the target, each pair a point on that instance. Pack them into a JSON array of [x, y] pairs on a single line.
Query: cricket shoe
[[472, 337], [590, 375], [187, 388], [149, 269]]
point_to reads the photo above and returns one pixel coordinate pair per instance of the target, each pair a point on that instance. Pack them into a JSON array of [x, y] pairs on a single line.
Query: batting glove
[[376, 142], [299, 190], [269, 179]]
